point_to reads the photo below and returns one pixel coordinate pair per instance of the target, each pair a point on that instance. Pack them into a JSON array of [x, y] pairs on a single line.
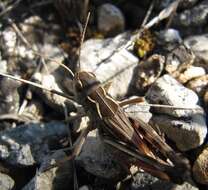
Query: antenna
[[82, 39], [37, 85]]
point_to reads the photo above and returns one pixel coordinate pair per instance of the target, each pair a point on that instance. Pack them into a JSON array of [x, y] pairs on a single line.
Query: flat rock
[[102, 58], [200, 168], [144, 181], [198, 44], [6, 182], [56, 178], [186, 133], [97, 159], [168, 91], [29, 144]]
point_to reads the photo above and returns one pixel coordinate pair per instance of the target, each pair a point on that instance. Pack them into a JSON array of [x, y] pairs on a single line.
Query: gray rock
[[57, 178], [147, 72], [102, 58], [84, 187], [186, 133], [97, 159], [6, 182], [183, 4], [110, 19], [191, 73], [144, 181], [166, 90], [198, 85], [179, 63], [200, 167], [198, 44], [168, 38], [53, 78], [196, 16], [29, 144]]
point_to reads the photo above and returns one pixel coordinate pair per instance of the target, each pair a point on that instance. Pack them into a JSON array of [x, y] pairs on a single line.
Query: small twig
[[82, 37], [37, 85], [172, 15], [76, 187], [169, 106], [9, 8], [42, 3], [16, 29], [149, 11], [14, 116]]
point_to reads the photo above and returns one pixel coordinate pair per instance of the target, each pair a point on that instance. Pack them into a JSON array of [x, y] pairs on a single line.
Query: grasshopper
[[133, 137]]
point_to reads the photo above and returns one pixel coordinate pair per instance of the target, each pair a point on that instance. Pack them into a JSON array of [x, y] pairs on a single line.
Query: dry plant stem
[[82, 38], [16, 29], [14, 117], [141, 99], [38, 86], [9, 8], [25, 101], [74, 150], [165, 13], [76, 187], [148, 13], [173, 14]]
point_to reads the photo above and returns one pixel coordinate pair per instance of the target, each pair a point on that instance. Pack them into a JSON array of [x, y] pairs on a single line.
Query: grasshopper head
[[85, 82]]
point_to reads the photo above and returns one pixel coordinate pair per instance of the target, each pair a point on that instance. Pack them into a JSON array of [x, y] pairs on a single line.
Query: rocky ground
[[166, 64]]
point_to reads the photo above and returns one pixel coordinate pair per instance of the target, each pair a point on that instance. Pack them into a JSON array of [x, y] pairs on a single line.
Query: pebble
[[168, 91], [200, 167], [53, 78], [6, 182], [186, 133], [97, 159], [28, 144], [179, 64], [198, 43], [110, 20], [54, 178], [198, 85], [168, 38], [101, 58], [147, 72], [144, 181]]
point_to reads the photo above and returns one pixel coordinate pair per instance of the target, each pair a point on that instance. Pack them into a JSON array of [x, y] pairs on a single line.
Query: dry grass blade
[[24, 40], [82, 38], [37, 85]]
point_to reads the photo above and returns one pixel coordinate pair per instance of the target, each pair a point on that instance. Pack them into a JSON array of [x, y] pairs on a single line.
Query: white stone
[[101, 58]]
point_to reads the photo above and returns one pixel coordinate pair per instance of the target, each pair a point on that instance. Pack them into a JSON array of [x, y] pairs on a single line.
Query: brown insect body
[[136, 135]]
